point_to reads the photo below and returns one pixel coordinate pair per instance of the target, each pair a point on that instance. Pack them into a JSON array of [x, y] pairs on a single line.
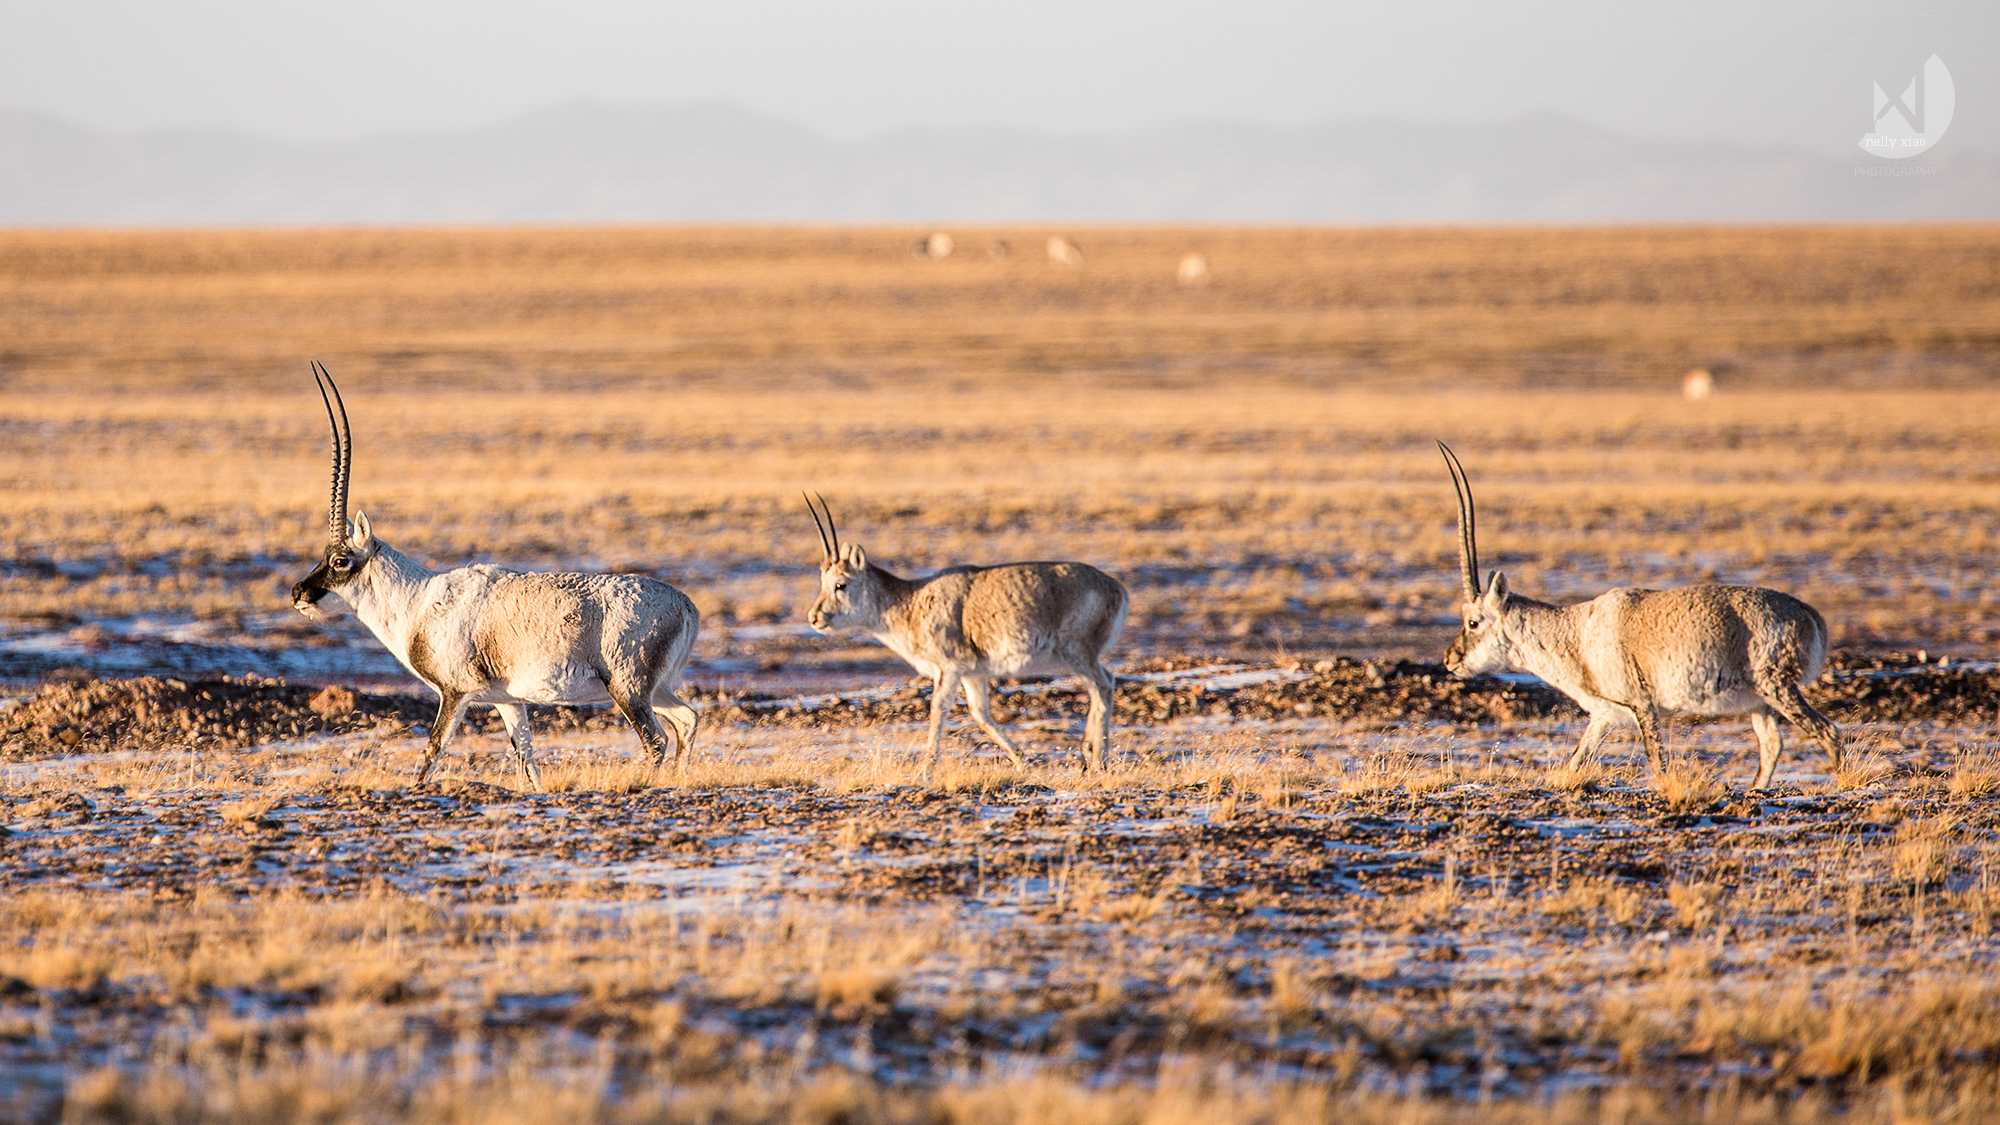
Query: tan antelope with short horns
[[967, 624], [483, 634], [1628, 655]]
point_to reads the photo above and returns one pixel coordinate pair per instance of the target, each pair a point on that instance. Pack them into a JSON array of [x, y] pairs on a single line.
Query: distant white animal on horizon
[[1063, 252], [1194, 269], [1628, 655], [939, 245], [1697, 384], [482, 634], [967, 624]]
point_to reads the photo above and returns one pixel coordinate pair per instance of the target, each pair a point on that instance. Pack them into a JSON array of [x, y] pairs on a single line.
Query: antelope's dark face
[[342, 565], [849, 594]]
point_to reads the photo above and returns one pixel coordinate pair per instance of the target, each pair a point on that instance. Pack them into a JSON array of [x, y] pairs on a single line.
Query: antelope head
[[850, 595], [349, 545], [1482, 644]]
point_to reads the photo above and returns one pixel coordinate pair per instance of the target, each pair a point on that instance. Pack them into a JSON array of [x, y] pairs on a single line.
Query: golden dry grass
[[518, 309], [1728, 949], [1255, 456]]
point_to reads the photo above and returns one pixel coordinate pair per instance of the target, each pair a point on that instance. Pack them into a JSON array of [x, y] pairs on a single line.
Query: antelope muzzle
[[307, 591]]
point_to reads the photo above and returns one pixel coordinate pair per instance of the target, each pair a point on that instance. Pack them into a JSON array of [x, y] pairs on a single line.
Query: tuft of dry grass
[[1863, 768], [1925, 848], [59, 966], [1292, 994], [1591, 899], [1696, 905], [1133, 909], [1975, 773], [856, 988], [1586, 778], [249, 812], [1688, 785]]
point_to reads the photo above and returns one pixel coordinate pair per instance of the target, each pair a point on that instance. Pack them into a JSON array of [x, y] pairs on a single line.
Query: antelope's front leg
[[451, 709], [941, 694], [1593, 737]]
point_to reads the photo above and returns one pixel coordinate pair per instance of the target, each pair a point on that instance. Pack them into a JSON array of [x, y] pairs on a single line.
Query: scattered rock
[[334, 702]]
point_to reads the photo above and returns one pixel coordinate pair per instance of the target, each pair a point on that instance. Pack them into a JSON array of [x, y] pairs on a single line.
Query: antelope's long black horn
[[831, 530], [825, 544], [343, 454], [1468, 550]]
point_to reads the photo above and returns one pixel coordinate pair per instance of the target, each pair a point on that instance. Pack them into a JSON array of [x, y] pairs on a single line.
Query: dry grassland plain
[[1256, 921]]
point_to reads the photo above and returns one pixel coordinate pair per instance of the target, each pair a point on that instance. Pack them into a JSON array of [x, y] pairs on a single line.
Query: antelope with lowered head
[[1628, 655], [483, 634], [967, 624]]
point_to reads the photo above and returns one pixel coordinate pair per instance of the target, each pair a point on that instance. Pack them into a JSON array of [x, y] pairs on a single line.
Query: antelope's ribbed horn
[[343, 455]]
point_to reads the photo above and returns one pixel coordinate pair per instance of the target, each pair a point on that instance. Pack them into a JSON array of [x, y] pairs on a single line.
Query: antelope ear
[[1496, 592], [854, 556], [360, 533]]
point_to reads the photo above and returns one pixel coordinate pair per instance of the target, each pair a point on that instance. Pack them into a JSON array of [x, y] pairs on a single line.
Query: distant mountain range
[[590, 163]]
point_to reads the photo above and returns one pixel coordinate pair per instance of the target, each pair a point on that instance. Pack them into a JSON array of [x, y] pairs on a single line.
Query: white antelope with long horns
[[483, 634], [1628, 655], [967, 624]]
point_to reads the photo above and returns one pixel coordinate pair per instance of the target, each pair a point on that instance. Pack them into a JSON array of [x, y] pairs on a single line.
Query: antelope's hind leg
[[1770, 744], [979, 699], [636, 704], [515, 716], [1647, 718], [680, 716], [1786, 699], [1103, 688], [451, 709]]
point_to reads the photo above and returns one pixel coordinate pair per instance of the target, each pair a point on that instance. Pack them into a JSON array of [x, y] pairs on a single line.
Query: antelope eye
[[840, 585], [340, 562]]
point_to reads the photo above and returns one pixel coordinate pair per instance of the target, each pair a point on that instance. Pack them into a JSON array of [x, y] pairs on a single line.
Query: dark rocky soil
[[152, 713]]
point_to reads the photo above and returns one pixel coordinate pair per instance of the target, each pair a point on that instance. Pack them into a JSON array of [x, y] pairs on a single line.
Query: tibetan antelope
[[1628, 655], [967, 624], [481, 634]]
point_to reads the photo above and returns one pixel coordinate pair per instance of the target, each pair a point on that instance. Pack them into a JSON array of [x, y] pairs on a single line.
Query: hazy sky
[[1795, 74]]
